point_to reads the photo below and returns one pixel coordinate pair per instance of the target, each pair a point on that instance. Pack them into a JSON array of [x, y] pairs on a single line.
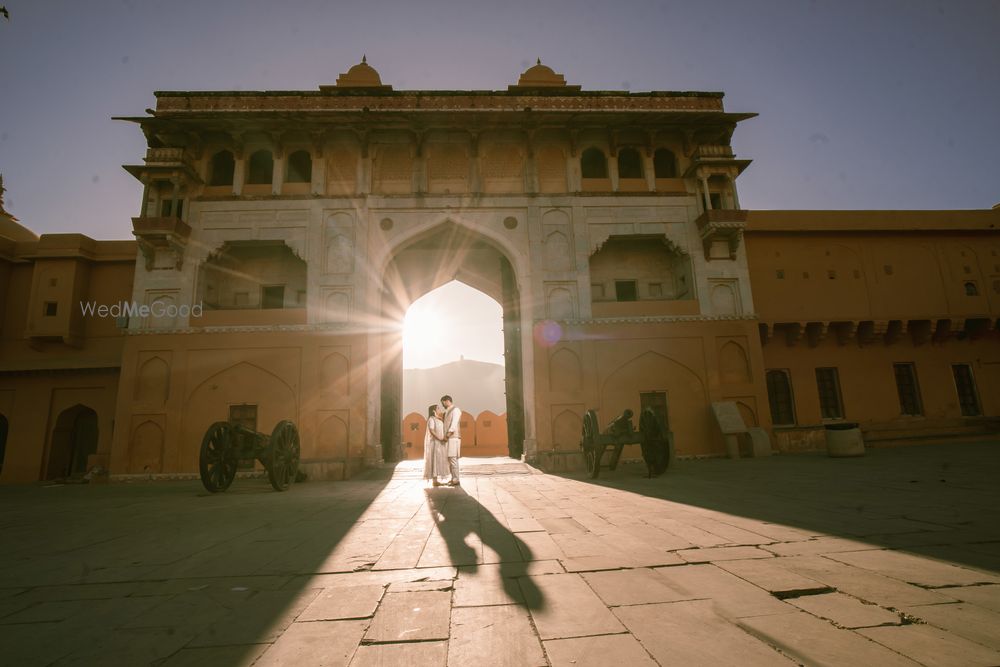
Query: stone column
[[174, 192], [278, 172], [613, 172], [318, 185], [239, 174], [649, 169], [705, 194], [736, 199]]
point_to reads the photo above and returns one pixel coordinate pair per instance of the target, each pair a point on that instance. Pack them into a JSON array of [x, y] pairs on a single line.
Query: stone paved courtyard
[[890, 559]]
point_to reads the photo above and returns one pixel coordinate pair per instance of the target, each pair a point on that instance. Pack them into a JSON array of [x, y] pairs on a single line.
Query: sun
[[424, 329]]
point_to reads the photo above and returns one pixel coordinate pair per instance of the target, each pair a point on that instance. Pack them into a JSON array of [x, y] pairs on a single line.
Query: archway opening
[[453, 344], [452, 297], [73, 440]]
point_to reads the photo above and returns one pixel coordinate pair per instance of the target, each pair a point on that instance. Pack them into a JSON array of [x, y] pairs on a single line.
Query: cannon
[[226, 444], [654, 438]]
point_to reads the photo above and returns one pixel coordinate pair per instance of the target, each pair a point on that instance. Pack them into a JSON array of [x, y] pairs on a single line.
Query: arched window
[[593, 164], [299, 167], [629, 163], [261, 170], [664, 164], [779, 395], [971, 289], [221, 169]]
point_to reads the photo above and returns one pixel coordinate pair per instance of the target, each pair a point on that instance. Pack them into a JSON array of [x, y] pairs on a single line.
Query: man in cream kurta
[[452, 432]]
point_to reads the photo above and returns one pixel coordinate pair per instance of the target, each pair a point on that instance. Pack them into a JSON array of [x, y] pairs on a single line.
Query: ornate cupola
[[361, 75], [541, 76]]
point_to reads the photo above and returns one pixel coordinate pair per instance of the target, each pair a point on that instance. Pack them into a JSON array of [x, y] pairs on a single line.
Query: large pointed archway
[[445, 253]]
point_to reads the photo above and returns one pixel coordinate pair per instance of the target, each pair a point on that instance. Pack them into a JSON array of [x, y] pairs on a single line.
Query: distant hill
[[475, 386]]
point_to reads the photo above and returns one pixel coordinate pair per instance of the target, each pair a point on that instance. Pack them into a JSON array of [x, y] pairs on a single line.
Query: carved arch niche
[[567, 427], [145, 446], [152, 379], [560, 301], [332, 441], [565, 371], [558, 230], [338, 244], [334, 374], [734, 365]]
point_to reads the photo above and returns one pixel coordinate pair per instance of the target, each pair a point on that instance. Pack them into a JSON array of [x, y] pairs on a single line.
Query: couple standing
[[443, 442]]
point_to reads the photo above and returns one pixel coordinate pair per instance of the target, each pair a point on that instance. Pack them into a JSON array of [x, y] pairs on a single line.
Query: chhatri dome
[[541, 76], [361, 75]]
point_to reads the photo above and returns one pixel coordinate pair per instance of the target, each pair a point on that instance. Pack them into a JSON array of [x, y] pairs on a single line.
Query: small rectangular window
[[716, 200], [178, 209], [625, 290], [779, 274], [779, 395], [965, 385], [908, 389], [831, 406], [272, 296], [50, 309]]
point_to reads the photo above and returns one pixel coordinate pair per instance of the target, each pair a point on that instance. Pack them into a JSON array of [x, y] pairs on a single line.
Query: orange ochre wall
[[607, 366], [173, 387], [482, 435]]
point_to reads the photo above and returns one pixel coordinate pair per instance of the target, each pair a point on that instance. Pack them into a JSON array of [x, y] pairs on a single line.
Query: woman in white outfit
[[435, 446]]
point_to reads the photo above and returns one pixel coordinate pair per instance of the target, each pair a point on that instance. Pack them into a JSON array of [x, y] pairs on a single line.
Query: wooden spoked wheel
[[217, 461], [283, 457]]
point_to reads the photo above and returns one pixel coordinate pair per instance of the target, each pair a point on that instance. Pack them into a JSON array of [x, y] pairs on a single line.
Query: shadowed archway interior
[[446, 253]]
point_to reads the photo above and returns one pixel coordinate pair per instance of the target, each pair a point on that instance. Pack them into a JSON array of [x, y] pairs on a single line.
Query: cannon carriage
[[653, 436], [225, 444]]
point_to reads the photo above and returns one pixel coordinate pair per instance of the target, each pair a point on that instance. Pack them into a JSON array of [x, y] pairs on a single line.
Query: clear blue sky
[[881, 104]]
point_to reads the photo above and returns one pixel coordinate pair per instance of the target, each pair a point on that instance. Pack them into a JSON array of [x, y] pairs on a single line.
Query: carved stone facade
[[606, 224]]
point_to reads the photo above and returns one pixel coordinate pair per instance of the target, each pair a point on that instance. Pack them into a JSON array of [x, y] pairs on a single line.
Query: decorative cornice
[[658, 319], [247, 328]]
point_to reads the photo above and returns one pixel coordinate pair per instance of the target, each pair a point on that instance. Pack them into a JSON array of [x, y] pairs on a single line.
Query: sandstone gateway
[[606, 223]]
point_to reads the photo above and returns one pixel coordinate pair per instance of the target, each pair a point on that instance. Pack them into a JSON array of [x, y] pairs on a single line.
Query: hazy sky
[[452, 321], [875, 104]]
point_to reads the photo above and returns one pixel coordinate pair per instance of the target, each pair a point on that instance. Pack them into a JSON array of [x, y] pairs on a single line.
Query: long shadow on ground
[[941, 501]]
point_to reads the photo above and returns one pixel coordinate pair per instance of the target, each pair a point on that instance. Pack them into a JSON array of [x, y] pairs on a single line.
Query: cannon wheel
[[217, 461], [655, 451], [283, 456], [589, 442]]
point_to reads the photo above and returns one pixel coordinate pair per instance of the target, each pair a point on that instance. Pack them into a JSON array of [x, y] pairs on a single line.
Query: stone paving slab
[[987, 597], [811, 641], [418, 654], [412, 616], [598, 652], [915, 569], [563, 605], [732, 597], [965, 620], [627, 587], [344, 602], [315, 644], [933, 647], [773, 577], [845, 611], [691, 633], [591, 571], [501, 636]]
